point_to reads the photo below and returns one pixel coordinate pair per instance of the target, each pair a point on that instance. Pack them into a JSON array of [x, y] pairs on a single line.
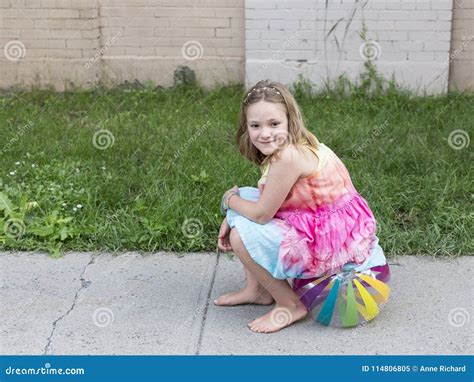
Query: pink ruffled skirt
[[321, 241]]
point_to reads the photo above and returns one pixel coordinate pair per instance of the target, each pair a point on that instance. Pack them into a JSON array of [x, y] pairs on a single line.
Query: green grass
[[136, 194]]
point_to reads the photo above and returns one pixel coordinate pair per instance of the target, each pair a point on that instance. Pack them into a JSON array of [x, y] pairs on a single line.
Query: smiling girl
[[306, 219]]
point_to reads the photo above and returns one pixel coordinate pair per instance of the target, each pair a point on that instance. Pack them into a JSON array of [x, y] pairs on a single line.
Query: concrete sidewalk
[[161, 303]]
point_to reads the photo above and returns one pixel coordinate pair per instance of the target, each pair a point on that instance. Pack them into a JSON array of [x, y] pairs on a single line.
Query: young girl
[[306, 218]]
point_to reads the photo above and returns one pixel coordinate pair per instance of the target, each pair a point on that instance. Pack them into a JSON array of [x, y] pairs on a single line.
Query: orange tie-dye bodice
[[326, 185]]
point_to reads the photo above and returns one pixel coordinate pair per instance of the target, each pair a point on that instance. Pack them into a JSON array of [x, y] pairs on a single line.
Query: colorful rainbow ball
[[347, 298]]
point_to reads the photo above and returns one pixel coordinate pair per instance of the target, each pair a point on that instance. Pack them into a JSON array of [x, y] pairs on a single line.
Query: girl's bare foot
[[245, 296], [278, 318]]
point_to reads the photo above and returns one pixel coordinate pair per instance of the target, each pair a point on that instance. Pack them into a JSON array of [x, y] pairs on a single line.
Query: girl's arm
[[282, 175], [245, 208]]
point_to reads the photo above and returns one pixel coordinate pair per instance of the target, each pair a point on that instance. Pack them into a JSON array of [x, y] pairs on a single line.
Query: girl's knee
[[234, 238], [237, 243], [238, 246]]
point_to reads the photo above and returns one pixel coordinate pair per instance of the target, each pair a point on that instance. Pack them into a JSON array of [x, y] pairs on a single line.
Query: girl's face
[[267, 126]]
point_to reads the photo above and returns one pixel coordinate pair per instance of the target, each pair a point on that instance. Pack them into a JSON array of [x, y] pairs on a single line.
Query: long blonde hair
[[298, 134]]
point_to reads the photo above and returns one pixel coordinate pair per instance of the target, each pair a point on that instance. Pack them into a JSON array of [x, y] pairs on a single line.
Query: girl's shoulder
[[269, 161], [293, 150]]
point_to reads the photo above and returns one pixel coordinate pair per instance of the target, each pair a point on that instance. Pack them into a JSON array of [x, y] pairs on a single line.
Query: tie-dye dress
[[322, 224]]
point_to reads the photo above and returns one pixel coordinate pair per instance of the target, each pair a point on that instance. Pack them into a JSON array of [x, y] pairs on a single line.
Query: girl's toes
[[256, 328], [218, 302]]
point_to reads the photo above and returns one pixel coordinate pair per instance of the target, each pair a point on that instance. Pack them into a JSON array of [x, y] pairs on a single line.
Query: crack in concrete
[[84, 284], [206, 307]]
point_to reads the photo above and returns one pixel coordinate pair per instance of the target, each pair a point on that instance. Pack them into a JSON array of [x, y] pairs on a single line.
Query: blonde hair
[[298, 134]]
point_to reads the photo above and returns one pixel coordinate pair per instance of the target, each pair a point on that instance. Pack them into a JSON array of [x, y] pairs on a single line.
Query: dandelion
[[103, 167], [12, 173], [74, 209], [64, 204], [17, 163], [79, 206], [33, 165], [77, 170]]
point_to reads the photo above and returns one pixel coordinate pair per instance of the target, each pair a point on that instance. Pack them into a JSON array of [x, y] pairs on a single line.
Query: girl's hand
[[235, 188], [223, 242]]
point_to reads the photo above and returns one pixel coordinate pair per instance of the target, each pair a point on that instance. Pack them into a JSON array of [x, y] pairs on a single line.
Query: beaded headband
[[270, 88]]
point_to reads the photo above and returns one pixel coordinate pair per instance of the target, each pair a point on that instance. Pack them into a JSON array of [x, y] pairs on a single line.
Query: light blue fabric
[[263, 241]]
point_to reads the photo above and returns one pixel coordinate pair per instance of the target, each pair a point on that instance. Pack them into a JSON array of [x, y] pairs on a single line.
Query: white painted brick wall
[[86, 41], [252, 39], [412, 37]]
